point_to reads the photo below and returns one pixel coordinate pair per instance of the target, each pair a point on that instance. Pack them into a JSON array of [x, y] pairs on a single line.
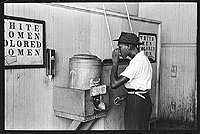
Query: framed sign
[[149, 45], [24, 42]]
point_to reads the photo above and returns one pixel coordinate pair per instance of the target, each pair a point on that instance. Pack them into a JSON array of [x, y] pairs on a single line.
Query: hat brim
[[116, 40], [135, 43]]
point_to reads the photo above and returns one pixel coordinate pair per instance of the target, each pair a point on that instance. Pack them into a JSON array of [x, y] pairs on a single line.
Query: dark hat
[[129, 38]]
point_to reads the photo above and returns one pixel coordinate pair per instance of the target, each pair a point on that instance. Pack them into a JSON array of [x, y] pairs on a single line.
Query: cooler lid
[[86, 56]]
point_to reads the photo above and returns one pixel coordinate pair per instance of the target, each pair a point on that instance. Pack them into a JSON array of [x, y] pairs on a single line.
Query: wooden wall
[[179, 38], [28, 92]]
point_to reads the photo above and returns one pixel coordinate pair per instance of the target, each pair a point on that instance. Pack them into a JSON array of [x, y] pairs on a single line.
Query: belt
[[137, 92]]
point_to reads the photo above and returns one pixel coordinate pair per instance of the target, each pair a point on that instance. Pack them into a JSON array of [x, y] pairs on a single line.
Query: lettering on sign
[[149, 45], [23, 42]]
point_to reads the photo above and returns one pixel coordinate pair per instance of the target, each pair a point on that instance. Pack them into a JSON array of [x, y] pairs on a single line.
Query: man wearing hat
[[137, 80]]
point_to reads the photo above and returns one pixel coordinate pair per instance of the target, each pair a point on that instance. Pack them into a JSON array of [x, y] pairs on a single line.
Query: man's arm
[[116, 81]]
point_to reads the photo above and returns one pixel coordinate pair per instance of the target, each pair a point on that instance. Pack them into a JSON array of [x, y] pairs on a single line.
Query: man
[[137, 80]]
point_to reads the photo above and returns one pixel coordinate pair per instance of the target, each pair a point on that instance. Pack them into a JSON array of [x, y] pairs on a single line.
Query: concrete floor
[[167, 125]]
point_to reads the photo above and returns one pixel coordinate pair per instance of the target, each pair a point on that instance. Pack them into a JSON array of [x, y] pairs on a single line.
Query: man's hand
[[118, 99], [115, 56]]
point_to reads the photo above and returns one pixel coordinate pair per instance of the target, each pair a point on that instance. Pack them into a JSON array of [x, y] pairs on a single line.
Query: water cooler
[[86, 98]]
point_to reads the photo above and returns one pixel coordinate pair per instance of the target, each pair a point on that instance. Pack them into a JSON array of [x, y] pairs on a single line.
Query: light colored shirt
[[139, 71]]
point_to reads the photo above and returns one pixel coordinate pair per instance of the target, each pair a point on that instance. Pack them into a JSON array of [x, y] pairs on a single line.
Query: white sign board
[[23, 42], [149, 45]]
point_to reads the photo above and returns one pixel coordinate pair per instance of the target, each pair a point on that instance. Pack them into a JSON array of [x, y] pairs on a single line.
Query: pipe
[[108, 28], [129, 20]]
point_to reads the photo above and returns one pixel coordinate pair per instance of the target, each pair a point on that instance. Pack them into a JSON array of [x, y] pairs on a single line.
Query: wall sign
[[149, 46], [24, 42]]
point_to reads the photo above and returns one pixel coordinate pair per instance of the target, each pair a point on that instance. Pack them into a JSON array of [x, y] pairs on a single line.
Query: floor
[[166, 125]]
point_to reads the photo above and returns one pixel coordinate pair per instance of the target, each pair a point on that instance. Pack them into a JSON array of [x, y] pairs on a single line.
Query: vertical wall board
[[169, 83], [152, 92], [22, 88], [20, 9], [48, 101], [38, 99], [195, 87], [192, 87], [164, 98], [27, 13], [172, 91], [49, 28], [18, 108], [162, 87], [189, 87], [29, 86], [182, 70], [9, 99], [50, 112], [178, 85]]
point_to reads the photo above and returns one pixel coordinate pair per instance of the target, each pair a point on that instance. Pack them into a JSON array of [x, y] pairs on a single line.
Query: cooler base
[[79, 118]]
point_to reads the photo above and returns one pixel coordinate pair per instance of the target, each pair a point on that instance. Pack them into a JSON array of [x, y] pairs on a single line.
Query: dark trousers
[[137, 112]]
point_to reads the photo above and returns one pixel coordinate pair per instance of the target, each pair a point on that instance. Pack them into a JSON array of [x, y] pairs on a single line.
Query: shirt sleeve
[[131, 71]]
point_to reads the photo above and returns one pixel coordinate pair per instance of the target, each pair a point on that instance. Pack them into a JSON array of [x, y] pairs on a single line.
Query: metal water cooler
[[85, 98]]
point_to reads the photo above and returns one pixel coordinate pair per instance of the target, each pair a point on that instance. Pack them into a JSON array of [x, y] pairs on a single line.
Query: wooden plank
[[29, 98], [46, 101], [70, 116], [9, 99], [189, 87], [22, 100], [152, 92], [157, 99], [91, 124], [75, 125], [172, 90], [39, 99], [168, 83], [17, 108], [162, 85], [179, 86]]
